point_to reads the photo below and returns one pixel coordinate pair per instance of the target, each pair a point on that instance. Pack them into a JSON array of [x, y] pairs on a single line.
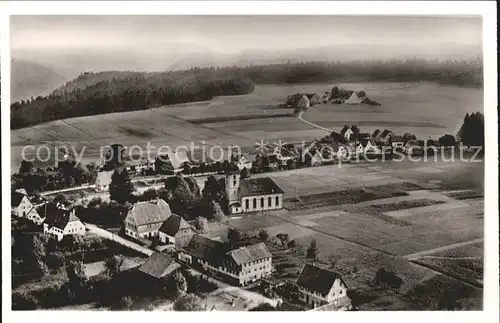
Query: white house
[[397, 142], [176, 231], [60, 222], [145, 218], [353, 99], [318, 286], [346, 132], [304, 102], [252, 194], [103, 180], [243, 161], [20, 203]]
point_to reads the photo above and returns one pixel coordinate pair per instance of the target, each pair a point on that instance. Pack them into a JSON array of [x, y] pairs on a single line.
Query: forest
[[119, 91]]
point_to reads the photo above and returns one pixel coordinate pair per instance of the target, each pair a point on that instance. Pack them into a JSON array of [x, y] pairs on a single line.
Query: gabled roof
[[159, 265], [176, 158], [310, 95], [317, 279], [250, 253], [376, 133], [150, 212], [173, 225], [16, 198], [205, 248], [58, 217], [259, 186], [397, 139], [353, 98], [364, 142], [386, 133], [104, 178]]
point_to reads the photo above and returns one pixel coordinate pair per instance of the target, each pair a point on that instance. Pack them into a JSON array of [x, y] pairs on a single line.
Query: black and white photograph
[[248, 162]]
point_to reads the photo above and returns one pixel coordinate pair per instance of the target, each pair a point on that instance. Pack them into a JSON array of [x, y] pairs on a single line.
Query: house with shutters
[[238, 266], [175, 231], [252, 194], [60, 222], [144, 219], [318, 286]]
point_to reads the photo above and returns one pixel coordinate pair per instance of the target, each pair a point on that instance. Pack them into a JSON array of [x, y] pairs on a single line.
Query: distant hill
[[30, 79]]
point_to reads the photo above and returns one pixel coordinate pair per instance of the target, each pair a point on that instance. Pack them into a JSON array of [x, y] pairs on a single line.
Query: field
[[422, 233], [423, 109]]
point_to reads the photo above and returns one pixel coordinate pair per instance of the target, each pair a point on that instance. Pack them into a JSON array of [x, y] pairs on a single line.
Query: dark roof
[[205, 248], [385, 133], [174, 224], [250, 253], [59, 217], [376, 133], [16, 198], [365, 142], [159, 265], [317, 279], [259, 186], [344, 129], [150, 212], [310, 95], [363, 135], [397, 139]]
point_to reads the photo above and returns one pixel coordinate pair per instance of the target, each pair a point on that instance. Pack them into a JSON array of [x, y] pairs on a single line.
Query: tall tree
[[188, 303], [312, 252], [120, 188]]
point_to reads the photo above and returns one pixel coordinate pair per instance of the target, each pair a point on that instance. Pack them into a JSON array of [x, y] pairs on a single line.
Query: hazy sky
[[230, 34]]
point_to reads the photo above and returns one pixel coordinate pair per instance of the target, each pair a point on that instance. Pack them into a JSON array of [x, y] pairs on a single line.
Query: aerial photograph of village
[[247, 163]]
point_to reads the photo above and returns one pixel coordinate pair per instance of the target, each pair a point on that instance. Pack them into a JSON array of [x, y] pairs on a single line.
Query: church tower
[[232, 186]]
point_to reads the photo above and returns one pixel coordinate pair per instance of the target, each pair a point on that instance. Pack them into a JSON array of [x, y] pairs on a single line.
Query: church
[[252, 194]]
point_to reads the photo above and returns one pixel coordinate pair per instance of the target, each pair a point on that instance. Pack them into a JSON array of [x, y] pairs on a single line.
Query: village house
[[346, 132], [242, 161], [139, 166], [20, 203], [144, 219], [103, 180], [176, 231], [368, 147], [237, 266], [386, 136], [313, 159], [318, 286], [159, 266], [353, 99], [252, 194], [303, 102], [313, 99], [174, 161], [60, 222]]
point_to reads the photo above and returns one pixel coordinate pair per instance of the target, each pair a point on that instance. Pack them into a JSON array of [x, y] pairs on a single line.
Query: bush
[[126, 302], [24, 301], [201, 224], [387, 278], [188, 303]]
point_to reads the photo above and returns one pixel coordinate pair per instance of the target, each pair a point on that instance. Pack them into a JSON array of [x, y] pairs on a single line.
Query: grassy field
[[423, 109]]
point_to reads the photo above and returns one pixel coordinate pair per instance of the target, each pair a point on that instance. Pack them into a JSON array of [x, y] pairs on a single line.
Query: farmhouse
[[174, 161], [353, 99], [303, 103], [313, 99], [386, 135], [145, 218], [20, 203], [318, 286], [159, 266], [60, 222], [252, 194], [139, 166], [242, 161], [367, 147], [175, 231], [313, 158], [103, 180], [346, 132], [238, 266]]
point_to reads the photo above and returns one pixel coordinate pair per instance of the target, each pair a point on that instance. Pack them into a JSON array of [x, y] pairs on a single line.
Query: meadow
[[424, 109]]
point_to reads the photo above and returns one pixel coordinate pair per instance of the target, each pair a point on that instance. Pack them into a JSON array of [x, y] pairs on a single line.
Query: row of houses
[[57, 220]]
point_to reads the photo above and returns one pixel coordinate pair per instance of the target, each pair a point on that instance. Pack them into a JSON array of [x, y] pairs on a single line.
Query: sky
[[232, 34]]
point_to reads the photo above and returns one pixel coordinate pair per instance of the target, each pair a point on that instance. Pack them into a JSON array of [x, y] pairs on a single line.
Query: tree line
[[119, 91]]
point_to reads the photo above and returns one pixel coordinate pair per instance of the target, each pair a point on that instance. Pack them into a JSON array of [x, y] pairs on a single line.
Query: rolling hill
[[30, 79]]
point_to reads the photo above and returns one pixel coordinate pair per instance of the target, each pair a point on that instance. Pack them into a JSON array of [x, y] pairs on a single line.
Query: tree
[[180, 283], [263, 235], [120, 188], [186, 169], [471, 132], [234, 235], [215, 211], [188, 303], [283, 238], [447, 140], [26, 167], [201, 224], [408, 136], [112, 265], [291, 164], [387, 278], [262, 307], [312, 252], [149, 194], [76, 277], [335, 92], [361, 94]]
